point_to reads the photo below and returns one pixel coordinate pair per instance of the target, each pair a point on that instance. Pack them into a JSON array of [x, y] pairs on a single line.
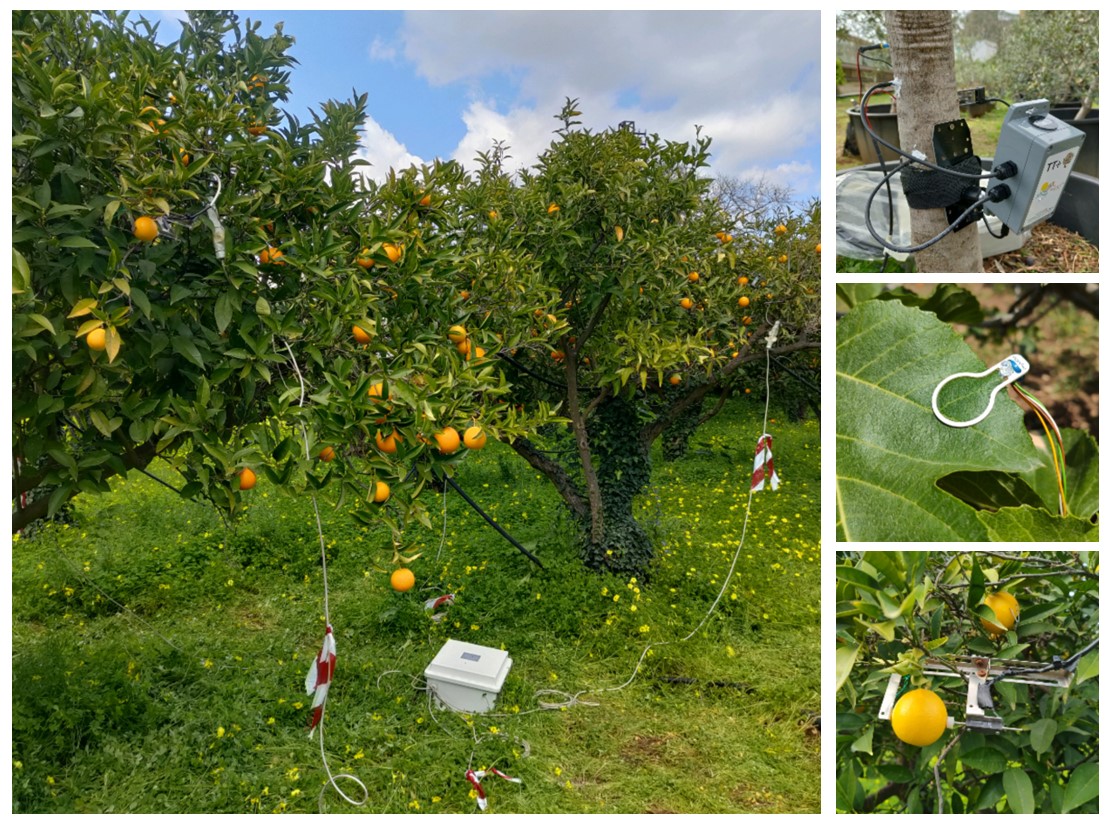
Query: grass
[[158, 658]]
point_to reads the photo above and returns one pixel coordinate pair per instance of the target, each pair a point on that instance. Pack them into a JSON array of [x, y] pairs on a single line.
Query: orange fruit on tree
[[780, 229], [919, 717], [675, 380], [464, 348], [271, 256], [743, 301], [478, 352], [393, 252], [145, 229], [327, 454], [746, 320], [557, 355], [402, 580], [552, 208], [184, 156], [782, 258], [747, 391], [364, 259], [256, 129], [246, 480], [742, 281], [464, 295], [381, 491], [457, 334], [97, 339], [693, 277], [1005, 607], [818, 248], [448, 440], [474, 437], [686, 303], [360, 335], [387, 444], [425, 201], [375, 390]]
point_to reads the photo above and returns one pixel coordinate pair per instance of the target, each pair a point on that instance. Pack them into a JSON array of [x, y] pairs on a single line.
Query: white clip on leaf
[[1010, 369]]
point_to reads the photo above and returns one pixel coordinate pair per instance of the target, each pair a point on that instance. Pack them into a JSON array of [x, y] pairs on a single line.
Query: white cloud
[[383, 151], [751, 79]]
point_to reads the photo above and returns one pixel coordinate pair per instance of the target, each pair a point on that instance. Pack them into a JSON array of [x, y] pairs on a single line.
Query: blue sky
[[447, 83]]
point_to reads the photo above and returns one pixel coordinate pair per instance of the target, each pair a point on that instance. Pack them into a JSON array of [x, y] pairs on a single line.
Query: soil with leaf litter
[[1049, 249]]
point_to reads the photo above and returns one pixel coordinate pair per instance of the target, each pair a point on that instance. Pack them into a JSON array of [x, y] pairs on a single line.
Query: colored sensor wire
[[1054, 441]]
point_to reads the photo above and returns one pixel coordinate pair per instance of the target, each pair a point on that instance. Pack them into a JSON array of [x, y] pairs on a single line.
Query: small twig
[[937, 770]]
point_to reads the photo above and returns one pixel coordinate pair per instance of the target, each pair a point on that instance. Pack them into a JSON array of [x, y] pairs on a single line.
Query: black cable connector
[[1006, 169], [998, 194]]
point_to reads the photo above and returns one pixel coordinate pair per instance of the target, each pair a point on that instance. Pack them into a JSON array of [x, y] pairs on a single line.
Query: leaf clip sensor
[[1010, 369]]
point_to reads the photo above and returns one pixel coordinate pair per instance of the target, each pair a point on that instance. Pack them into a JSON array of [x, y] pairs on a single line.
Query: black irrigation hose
[[451, 482]]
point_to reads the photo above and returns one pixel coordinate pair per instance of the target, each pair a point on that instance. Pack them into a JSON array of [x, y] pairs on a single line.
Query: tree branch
[[554, 472]]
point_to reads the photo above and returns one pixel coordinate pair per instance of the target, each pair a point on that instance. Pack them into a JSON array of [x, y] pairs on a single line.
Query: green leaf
[[75, 241], [223, 311], [984, 759], [864, 742], [846, 659], [1042, 733], [976, 585], [857, 577], [42, 321], [262, 308], [951, 303], [853, 294], [891, 449], [1087, 668], [188, 349], [21, 273], [1028, 524], [1083, 786], [1020, 791], [1081, 472]]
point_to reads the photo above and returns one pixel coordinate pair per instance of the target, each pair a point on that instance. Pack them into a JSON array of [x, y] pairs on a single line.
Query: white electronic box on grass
[[466, 677]]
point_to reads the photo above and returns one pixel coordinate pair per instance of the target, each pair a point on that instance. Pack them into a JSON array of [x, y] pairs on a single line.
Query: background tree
[[659, 303], [896, 609], [923, 60]]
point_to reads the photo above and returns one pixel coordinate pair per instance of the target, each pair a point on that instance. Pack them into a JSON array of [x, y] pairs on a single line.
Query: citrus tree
[[658, 299], [204, 280], [917, 626]]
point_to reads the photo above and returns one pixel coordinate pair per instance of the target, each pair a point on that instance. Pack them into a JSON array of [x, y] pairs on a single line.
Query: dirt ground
[[1060, 340]]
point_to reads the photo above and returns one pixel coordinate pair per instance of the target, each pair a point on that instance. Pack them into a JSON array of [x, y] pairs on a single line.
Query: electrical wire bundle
[[1055, 442], [996, 193]]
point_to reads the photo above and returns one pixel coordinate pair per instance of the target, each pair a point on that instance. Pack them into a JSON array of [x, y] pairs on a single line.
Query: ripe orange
[[425, 201], [97, 339], [448, 440], [919, 718], [387, 444], [464, 295], [393, 252], [184, 156], [686, 303], [818, 248], [464, 348], [743, 301], [780, 229], [375, 390], [723, 237], [493, 215], [742, 281], [478, 352], [327, 454], [693, 277], [257, 81], [246, 480], [256, 129], [145, 229], [457, 334], [782, 258], [381, 492], [364, 259], [402, 580], [675, 380], [271, 256], [474, 437], [747, 391], [552, 208], [746, 320], [1006, 613], [360, 335], [557, 356]]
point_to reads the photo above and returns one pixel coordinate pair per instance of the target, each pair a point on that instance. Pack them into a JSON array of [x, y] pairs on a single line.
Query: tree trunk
[[922, 57]]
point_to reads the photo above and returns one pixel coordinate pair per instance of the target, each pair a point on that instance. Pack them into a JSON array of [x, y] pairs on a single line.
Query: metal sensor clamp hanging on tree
[[1010, 369], [1042, 150]]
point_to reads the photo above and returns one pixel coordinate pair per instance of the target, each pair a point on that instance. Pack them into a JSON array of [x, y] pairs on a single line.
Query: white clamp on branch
[[1010, 369], [773, 335]]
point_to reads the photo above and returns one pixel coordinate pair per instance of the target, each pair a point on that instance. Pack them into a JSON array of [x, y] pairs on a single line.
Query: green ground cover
[[159, 657]]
